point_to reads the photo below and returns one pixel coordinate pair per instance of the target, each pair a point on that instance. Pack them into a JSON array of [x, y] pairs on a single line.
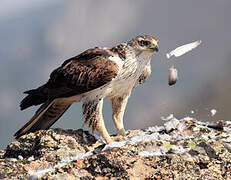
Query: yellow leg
[[118, 108]]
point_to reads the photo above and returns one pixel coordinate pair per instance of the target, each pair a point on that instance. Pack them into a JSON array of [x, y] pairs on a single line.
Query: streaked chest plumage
[[130, 71]]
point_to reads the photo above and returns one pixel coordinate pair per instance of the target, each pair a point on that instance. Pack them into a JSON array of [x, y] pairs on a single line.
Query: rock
[[188, 149]]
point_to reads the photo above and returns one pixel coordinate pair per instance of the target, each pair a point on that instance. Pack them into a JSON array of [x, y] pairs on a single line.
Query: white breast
[[130, 71]]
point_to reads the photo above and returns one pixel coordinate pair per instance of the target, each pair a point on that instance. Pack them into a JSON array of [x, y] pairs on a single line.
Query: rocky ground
[[181, 149]]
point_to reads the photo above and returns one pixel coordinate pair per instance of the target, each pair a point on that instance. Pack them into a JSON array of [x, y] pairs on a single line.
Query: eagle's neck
[[133, 61]]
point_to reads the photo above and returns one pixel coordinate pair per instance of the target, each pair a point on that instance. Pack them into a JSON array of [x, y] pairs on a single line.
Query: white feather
[[183, 49], [117, 60], [172, 76], [213, 112]]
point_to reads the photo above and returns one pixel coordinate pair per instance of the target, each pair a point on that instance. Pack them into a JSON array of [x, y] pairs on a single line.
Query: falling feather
[[183, 49], [172, 76], [213, 112]]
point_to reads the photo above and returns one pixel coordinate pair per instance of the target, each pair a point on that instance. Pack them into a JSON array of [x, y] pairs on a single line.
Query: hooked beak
[[155, 47]]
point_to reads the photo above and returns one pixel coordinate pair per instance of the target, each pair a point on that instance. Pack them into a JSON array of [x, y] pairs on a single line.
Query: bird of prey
[[90, 77]]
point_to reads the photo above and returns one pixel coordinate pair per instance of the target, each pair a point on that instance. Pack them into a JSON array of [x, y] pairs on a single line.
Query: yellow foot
[[118, 138], [109, 140], [121, 133]]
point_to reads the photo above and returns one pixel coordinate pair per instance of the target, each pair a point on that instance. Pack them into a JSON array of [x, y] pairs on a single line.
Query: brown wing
[[82, 74], [77, 75]]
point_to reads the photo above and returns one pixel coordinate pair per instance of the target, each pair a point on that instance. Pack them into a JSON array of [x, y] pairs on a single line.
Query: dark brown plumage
[[120, 50]]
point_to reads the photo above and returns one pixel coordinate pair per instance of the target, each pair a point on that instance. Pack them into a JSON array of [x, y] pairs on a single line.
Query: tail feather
[[44, 117], [31, 100], [34, 97]]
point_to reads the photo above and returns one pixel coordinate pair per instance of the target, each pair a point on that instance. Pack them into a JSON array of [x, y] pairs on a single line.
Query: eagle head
[[145, 44]]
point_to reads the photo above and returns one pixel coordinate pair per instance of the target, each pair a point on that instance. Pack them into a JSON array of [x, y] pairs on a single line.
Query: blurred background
[[36, 36]]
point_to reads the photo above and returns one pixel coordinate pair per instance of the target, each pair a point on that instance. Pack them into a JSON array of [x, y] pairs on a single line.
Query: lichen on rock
[[181, 149]]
